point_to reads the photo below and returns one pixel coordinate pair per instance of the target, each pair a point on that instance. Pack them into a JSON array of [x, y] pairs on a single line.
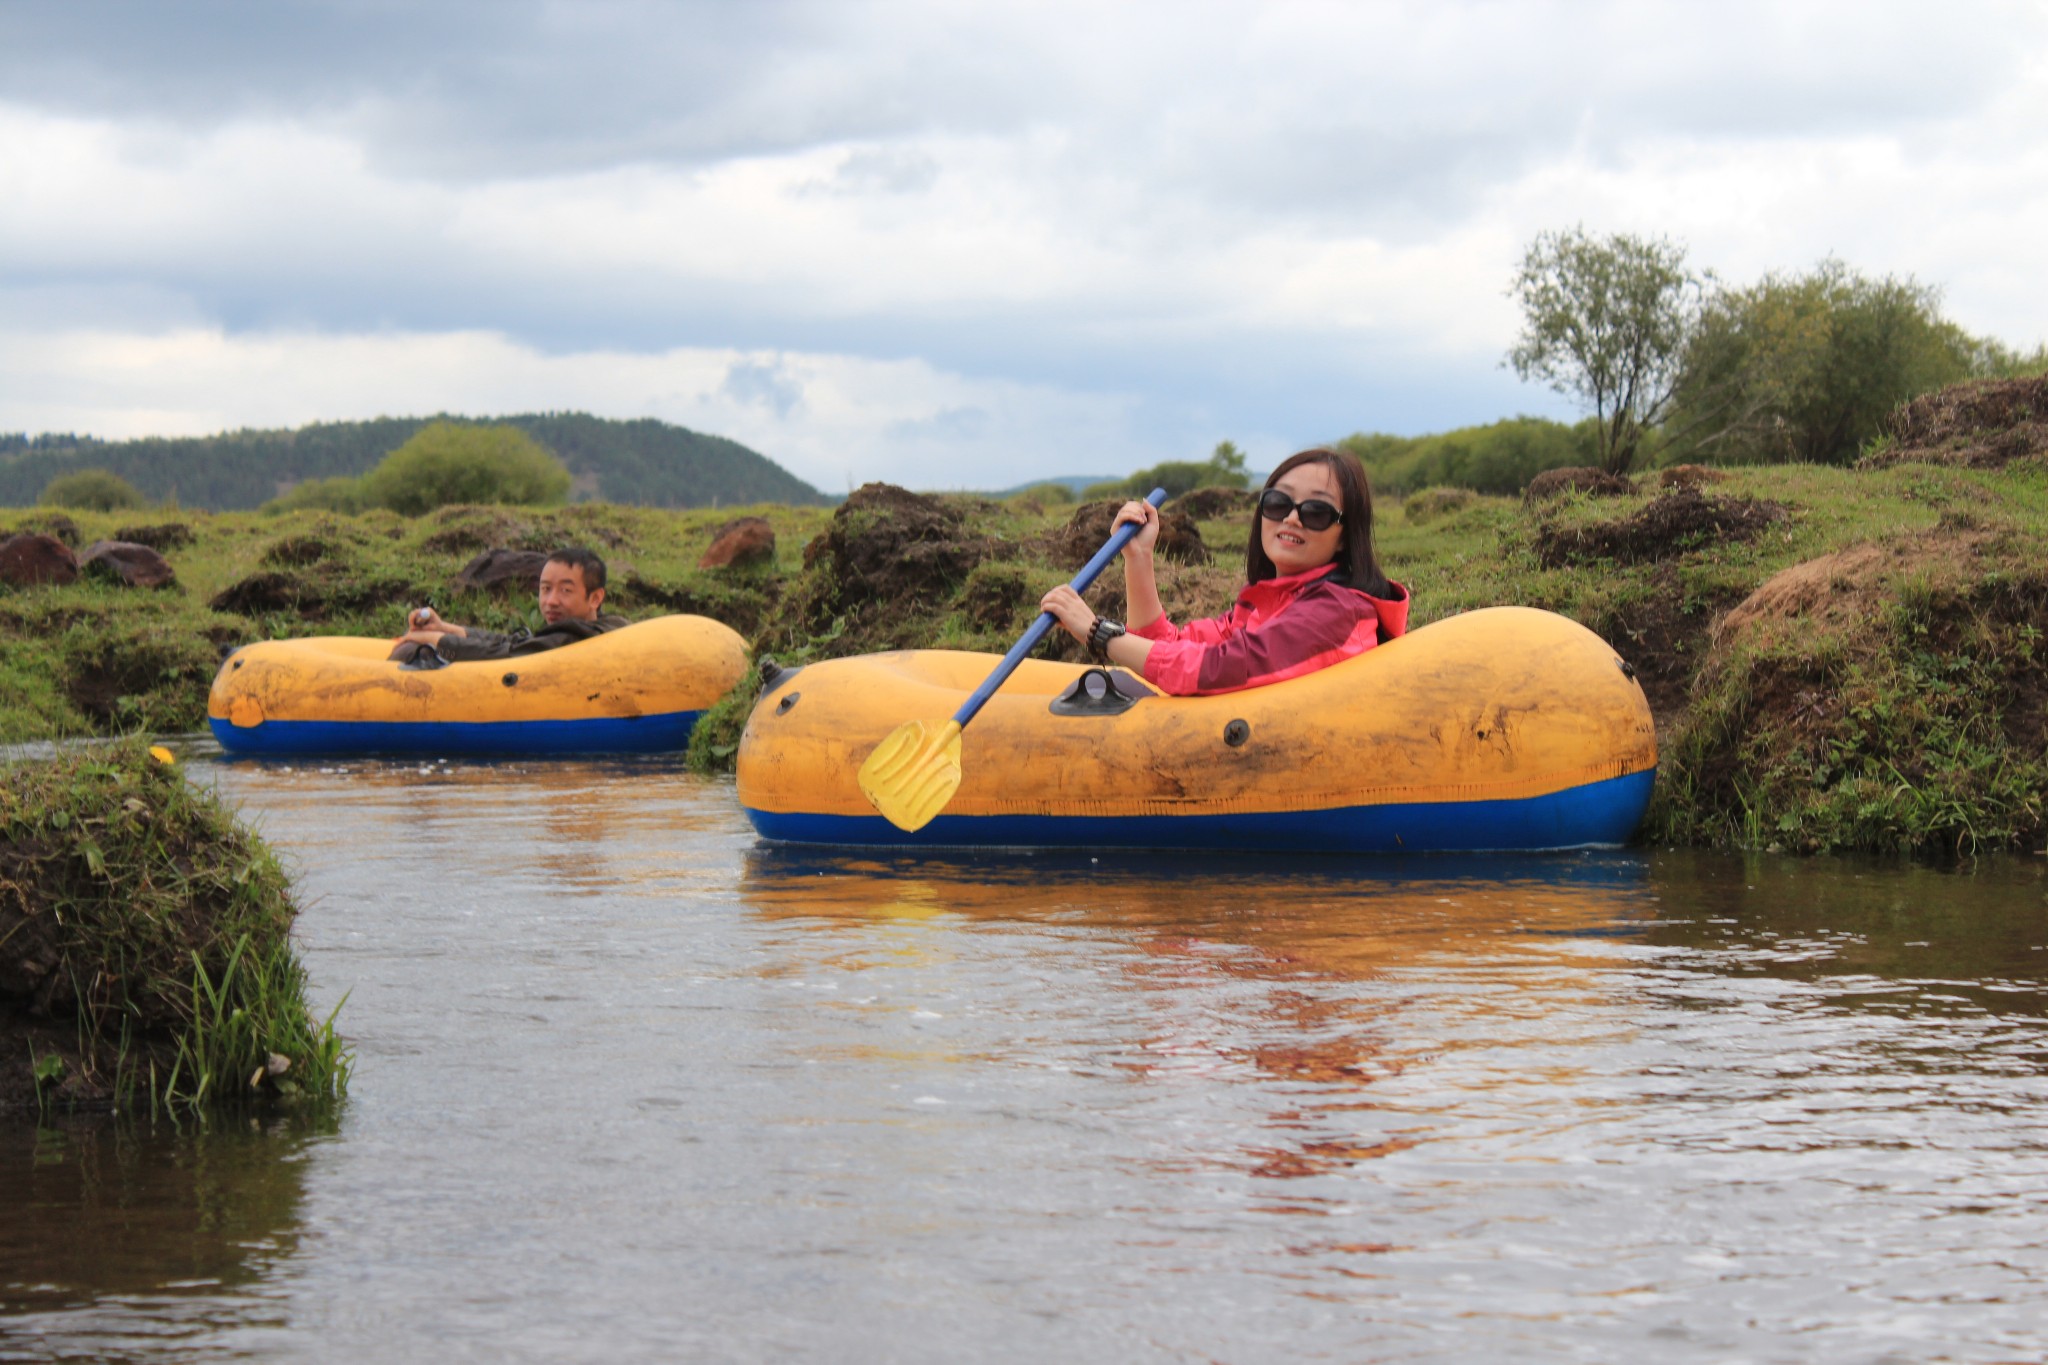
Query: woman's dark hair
[[585, 561], [1357, 565]]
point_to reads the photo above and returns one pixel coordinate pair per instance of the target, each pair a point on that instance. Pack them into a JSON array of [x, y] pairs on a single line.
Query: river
[[631, 1086]]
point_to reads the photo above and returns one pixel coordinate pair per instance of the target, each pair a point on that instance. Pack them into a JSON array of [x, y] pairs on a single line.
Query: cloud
[[1097, 235]]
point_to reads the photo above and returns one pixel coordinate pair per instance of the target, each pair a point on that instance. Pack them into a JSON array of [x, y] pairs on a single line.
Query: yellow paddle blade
[[913, 773]]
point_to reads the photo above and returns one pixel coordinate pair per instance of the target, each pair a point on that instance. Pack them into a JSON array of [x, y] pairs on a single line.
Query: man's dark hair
[[585, 561]]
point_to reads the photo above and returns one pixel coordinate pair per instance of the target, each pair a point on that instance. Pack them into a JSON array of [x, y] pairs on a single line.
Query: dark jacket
[[490, 644]]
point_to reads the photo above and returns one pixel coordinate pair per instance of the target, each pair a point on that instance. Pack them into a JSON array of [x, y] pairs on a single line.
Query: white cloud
[[917, 241], [836, 421]]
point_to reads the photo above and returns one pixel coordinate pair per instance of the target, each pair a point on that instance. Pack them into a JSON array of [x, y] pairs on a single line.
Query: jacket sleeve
[[1203, 632], [478, 644], [1316, 630]]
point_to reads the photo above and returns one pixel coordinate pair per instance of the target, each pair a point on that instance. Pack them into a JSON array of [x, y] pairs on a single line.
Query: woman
[[1314, 593]]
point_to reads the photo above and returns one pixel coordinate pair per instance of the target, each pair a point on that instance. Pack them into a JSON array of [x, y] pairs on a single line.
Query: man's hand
[[424, 626]]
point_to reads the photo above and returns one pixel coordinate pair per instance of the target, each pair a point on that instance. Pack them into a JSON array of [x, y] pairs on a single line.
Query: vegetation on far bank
[[145, 950], [642, 461]]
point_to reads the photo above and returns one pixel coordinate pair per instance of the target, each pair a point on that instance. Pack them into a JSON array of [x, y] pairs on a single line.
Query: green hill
[[643, 462]]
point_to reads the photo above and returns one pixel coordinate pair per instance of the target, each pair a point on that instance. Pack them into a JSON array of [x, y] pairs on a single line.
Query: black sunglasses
[[1315, 514]]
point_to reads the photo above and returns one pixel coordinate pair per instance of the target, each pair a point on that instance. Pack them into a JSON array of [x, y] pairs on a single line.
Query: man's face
[[563, 596]]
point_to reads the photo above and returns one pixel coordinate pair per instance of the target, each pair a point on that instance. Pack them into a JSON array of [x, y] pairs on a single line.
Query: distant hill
[[644, 462]]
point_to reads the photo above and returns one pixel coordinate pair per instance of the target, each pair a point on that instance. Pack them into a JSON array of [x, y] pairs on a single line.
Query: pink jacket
[[1280, 628]]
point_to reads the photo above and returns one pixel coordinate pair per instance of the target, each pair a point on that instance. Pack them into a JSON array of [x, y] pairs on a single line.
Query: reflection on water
[[110, 1222], [631, 1085]]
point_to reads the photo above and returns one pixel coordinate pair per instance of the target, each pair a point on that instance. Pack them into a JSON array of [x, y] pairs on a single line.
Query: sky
[[950, 245]]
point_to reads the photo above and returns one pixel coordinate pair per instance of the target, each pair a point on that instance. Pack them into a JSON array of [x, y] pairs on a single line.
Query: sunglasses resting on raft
[[1314, 593]]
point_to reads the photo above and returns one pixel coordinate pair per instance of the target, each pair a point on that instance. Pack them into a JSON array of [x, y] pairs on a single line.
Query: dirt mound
[[1689, 476], [124, 561], [1885, 696], [742, 602], [171, 535], [55, 525], [1680, 521], [1849, 587], [503, 571], [887, 545], [31, 558], [1555, 483], [1180, 540], [313, 594], [296, 552], [1212, 504], [1985, 424], [748, 542], [467, 528]]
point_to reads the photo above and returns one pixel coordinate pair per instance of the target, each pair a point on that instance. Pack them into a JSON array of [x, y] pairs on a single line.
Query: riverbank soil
[[145, 948]]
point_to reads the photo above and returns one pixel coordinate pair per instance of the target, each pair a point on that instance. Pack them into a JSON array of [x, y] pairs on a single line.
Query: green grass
[[145, 944]]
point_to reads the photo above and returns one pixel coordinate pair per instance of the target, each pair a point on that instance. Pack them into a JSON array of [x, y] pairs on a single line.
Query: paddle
[[913, 773]]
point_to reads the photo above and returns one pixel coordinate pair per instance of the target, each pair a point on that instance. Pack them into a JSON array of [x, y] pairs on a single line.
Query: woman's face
[[1292, 547]]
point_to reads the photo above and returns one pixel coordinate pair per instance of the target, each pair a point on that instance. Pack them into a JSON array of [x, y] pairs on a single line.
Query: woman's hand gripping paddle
[[913, 773]]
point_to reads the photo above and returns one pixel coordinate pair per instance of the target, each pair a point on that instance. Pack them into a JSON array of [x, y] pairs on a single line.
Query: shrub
[[92, 490], [448, 463], [323, 495]]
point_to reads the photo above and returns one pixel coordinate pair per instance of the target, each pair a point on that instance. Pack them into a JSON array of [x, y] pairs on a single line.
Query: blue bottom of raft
[[1598, 815], [507, 739]]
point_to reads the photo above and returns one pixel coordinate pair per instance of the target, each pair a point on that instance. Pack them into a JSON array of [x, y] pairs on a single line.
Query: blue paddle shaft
[[1046, 619]]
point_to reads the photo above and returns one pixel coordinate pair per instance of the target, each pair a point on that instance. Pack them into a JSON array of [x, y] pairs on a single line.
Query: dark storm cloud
[[509, 87]]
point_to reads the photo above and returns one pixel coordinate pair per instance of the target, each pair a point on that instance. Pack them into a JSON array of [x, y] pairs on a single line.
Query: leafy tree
[[447, 463], [1805, 367], [1499, 457], [1606, 321], [1223, 469], [92, 490]]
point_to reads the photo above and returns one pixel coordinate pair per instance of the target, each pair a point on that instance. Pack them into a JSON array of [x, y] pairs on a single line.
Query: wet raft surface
[[630, 1087]]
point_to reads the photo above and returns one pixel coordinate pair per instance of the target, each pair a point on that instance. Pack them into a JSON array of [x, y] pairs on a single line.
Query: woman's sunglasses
[[1315, 514]]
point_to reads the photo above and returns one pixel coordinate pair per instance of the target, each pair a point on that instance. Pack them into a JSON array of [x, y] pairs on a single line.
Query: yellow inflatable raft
[[1507, 728], [638, 689]]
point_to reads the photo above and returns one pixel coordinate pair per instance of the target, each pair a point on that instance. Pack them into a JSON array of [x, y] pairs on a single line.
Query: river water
[[631, 1086]]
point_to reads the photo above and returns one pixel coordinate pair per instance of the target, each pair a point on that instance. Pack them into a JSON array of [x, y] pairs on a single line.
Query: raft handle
[[1628, 670], [1236, 733], [1100, 692]]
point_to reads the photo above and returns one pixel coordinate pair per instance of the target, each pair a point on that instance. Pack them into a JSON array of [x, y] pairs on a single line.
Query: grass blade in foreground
[[912, 775]]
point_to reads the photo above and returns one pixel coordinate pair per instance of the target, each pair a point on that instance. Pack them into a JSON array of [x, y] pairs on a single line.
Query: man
[[571, 594]]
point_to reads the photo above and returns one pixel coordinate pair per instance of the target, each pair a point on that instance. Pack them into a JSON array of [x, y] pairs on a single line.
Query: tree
[[448, 463], [1223, 469], [1499, 457], [1606, 321], [1805, 367], [92, 490]]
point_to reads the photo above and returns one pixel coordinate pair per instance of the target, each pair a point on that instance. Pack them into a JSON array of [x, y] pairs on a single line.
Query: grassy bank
[[1837, 658], [145, 951]]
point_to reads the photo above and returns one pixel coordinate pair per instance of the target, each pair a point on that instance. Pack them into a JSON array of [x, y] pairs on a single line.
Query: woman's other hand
[[1075, 616], [1146, 517]]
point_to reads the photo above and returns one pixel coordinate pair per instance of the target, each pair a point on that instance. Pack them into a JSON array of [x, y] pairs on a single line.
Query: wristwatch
[[1100, 634]]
